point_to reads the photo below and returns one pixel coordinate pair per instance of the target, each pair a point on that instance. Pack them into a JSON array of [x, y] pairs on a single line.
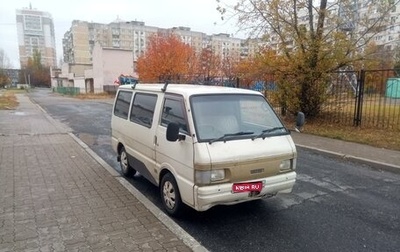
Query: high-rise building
[[79, 41], [36, 32], [365, 17]]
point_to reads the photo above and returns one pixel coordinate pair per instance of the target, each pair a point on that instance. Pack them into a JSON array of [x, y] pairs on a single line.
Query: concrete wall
[[79, 69], [108, 64], [116, 62], [79, 82], [98, 80]]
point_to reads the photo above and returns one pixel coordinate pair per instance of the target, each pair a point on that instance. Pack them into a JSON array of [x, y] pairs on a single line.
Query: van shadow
[[224, 214], [234, 228]]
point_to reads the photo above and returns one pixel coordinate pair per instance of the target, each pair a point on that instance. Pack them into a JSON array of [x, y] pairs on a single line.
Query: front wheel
[[170, 195], [126, 169]]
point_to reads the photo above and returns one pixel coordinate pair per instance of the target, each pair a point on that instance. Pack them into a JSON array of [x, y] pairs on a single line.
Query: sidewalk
[[377, 158], [57, 196]]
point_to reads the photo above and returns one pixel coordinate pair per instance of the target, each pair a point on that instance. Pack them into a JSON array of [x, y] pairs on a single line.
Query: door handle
[[155, 141]]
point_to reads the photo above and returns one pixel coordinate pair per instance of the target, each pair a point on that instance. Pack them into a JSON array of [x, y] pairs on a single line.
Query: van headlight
[[285, 165], [206, 177]]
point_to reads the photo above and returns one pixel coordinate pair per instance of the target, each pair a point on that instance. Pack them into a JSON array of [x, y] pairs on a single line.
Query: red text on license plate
[[247, 187]]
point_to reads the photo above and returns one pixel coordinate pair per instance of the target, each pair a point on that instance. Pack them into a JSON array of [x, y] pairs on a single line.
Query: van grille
[[256, 171]]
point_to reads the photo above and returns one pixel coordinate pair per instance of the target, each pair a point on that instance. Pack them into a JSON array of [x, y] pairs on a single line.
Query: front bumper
[[209, 196]]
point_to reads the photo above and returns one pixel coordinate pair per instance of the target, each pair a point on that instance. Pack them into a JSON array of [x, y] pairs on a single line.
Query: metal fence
[[366, 98], [110, 89], [67, 90]]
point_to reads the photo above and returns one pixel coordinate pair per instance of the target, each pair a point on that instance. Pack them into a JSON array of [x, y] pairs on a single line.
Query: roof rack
[[163, 89]]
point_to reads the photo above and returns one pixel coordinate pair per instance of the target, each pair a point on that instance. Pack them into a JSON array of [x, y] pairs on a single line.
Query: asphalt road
[[336, 205]]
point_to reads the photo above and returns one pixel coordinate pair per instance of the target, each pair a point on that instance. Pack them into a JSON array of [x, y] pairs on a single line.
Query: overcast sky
[[199, 15]]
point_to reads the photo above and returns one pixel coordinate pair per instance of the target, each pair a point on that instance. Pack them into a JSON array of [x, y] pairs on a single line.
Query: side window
[[122, 104], [174, 111], [142, 110]]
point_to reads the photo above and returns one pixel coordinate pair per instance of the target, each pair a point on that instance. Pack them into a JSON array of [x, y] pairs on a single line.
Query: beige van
[[202, 145]]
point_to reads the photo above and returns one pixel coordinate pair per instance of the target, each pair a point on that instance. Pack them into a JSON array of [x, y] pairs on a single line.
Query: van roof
[[188, 89]]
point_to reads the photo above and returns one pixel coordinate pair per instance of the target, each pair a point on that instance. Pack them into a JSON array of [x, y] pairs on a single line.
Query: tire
[[126, 168], [170, 195]]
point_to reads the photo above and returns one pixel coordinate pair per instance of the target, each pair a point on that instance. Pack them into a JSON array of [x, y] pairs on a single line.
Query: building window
[[34, 41], [33, 23], [115, 32], [116, 43]]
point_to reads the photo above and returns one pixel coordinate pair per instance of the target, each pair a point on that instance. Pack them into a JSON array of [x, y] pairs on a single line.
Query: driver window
[[174, 111]]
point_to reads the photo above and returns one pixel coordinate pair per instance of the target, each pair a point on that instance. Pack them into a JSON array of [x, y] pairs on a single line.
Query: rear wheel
[[170, 195], [126, 169]]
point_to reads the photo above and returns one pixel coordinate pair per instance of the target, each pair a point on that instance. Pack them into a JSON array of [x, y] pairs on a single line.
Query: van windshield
[[223, 117]]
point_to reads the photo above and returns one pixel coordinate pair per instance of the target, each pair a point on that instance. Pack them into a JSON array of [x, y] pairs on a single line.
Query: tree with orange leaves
[[257, 68], [208, 65], [167, 58]]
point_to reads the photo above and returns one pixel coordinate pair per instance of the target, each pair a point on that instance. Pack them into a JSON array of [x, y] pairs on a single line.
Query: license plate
[[247, 187]]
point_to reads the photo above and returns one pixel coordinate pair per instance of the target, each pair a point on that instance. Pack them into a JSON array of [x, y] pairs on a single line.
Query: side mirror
[[173, 132], [300, 120]]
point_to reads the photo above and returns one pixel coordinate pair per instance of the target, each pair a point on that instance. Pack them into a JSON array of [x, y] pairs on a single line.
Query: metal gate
[[367, 98]]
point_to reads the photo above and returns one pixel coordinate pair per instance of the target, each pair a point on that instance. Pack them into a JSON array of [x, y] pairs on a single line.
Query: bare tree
[[4, 64], [4, 60]]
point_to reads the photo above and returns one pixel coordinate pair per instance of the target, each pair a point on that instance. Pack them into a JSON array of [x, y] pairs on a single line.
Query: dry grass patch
[[8, 100], [381, 138]]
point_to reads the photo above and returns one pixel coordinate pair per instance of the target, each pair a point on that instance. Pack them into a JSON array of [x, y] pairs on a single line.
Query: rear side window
[[122, 104], [142, 110]]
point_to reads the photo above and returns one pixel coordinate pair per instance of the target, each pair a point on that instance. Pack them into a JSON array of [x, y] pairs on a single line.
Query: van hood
[[248, 159]]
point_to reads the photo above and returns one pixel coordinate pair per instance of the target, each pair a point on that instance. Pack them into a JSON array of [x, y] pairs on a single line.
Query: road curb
[[373, 164]]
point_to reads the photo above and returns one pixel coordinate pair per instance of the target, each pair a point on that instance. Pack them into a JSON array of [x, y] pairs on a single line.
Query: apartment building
[[354, 17], [360, 15], [35, 31], [79, 41], [389, 37]]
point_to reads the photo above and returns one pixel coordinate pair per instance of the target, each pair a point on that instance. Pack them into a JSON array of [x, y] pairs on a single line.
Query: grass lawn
[[381, 138], [380, 124]]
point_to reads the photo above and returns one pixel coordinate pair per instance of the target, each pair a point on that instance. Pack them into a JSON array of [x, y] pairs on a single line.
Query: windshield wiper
[[241, 133], [264, 132]]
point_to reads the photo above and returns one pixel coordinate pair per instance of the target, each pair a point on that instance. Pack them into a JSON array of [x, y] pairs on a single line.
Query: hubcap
[[124, 162], [169, 194]]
